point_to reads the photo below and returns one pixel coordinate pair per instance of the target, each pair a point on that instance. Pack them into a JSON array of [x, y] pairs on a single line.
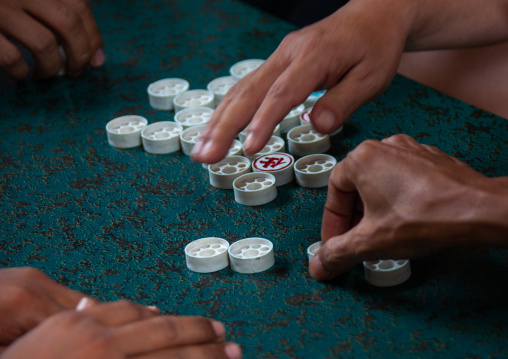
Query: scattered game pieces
[[387, 272], [245, 67], [207, 255], [305, 140], [313, 171], [251, 255], [193, 116], [223, 173], [125, 131], [161, 93], [161, 137], [220, 86], [194, 98], [313, 249], [280, 165], [255, 189]]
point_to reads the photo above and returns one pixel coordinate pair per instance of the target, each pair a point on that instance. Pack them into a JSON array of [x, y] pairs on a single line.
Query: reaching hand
[[40, 26]]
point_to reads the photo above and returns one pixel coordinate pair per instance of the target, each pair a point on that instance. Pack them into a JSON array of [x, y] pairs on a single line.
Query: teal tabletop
[[114, 223]]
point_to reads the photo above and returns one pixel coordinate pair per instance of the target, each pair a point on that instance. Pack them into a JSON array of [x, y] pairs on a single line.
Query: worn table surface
[[113, 223]]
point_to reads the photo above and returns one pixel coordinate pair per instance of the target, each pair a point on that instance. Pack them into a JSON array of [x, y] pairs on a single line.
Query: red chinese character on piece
[[272, 162]]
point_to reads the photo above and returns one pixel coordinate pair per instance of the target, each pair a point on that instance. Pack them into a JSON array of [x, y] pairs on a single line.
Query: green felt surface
[[113, 223]]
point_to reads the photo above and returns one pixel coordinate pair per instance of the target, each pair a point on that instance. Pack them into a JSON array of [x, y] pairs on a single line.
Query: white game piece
[[251, 255], [245, 67], [189, 137], [161, 137], [313, 171], [194, 98], [274, 144], [313, 249], [207, 255], [223, 173], [125, 131], [242, 135], [313, 98], [63, 55], [193, 116], [161, 93], [305, 120], [255, 189], [278, 164], [234, 150], [305, 140], [292, 119], [387, 272], [220, 86]]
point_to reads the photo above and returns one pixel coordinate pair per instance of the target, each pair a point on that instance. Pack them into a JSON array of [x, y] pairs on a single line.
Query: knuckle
[[45, 42], [365, 151], [129, 307], [11, 56], [169, 327]]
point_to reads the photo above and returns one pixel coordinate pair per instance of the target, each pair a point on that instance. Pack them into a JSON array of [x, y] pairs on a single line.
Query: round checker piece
[[292, 119], [189, 138], [305, 120], [207, 255], [387, 272], [220, 86], [305, 140], [194, 98], [193, 116], [161, 137], [251, 255], [161, 93], [278, 164], [274, 144], [313, 249], [125, 131], [245, 67], [223, 173], [313, 171], [255, 189]]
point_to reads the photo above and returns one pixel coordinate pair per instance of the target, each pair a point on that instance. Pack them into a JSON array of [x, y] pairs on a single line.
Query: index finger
[[340, 205]]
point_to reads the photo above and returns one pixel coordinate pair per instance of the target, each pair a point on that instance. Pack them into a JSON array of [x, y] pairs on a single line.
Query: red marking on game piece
[[305, 116], [273, 162]]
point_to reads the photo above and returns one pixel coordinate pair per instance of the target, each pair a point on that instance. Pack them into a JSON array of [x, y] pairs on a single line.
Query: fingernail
[[317, 271], [83, 304], [326, 121], [98, 58], [196, 150], [233, 351], [248, 143], [154, 308], [219, 329], [206, 148]]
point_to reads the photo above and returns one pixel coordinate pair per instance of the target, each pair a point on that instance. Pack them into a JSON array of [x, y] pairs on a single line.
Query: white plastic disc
[[125, 131], [278, 164], [245, 67], [292, 119], [305, 140], [313, 171], [207, 255], [189, 138], [251, 255], [274, 144], [313, 249], [220, 86], [223, 173], [387, 272], [194, 98], [305, 120], [193, 116], [161, 137], [161, 93], [255, 189]]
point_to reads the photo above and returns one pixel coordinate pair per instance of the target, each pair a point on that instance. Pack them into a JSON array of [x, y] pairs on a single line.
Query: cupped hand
[[354, 54], [41, 26], [396, 199], [120, 330]]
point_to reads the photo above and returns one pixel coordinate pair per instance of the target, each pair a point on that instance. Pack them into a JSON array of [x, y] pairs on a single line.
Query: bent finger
[[12, 61], [120, 313]]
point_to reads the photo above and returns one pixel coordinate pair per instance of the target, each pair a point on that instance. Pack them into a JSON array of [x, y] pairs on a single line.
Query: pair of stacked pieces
[[211, 254], [381, 273]]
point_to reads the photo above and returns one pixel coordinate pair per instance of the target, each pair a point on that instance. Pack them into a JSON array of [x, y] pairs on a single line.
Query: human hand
[[120, 330], [354, 54], [399, 199], [40, 26], [27, 297]]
